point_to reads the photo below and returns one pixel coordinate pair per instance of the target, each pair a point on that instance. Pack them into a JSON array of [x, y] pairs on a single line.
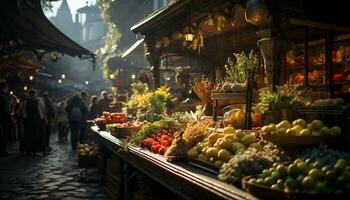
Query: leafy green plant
[[284, 98], [238, 71]]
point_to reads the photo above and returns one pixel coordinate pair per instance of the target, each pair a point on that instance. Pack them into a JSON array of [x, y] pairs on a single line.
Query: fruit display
[[299, 127], [158, 142], [324, 104], [107, 118], [306, 176], [168, 124], [134, 124], [219, 148], [251, 162], [325, 155], [87, 150], [196, 131]]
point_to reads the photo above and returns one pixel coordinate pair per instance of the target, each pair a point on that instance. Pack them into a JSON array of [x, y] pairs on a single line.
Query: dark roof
[[25, 25]]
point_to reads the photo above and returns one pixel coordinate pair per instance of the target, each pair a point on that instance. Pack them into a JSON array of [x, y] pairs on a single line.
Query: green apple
[[305, 132], [283, 124], [325, 131], [309, 126], [335, 130], [300, 122], [281, 131], [317, 124], [315, 133]]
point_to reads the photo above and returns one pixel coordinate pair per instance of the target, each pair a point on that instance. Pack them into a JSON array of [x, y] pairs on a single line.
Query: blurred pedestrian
[[62, 120], [5, 118], [104, 102], [77, 113], [93, 113], [34, 115], [50, 115], [85, 99]]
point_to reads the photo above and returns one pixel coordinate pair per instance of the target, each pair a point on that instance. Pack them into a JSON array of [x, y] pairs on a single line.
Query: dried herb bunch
[[238, 70], [203, 87]]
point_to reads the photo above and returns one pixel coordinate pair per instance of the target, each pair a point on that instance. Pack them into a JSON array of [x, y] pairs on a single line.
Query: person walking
[[77, 113], [5, 119], [50, 114], [62, 121], [34, 115], [93, 108], [104, 102]]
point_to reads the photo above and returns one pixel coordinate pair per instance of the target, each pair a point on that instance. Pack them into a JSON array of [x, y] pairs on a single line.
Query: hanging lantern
[[189, 34], [257, 12]]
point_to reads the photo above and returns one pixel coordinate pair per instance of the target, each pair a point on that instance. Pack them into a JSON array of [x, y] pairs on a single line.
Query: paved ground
[[55, 176]]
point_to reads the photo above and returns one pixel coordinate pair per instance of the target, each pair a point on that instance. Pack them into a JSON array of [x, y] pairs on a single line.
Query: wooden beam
[[314, 24]]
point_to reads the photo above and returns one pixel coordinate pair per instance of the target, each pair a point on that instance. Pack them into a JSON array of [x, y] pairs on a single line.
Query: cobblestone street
[[55, 176]]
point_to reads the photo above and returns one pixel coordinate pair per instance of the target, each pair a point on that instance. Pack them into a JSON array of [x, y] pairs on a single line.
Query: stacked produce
[[307, 176], [203, 88], [87, 150], [299, 127], [251, 162], [195, 132], [168, 124], [337, 103], [158, 142], [130, 124], [107, 118], [218, 148]]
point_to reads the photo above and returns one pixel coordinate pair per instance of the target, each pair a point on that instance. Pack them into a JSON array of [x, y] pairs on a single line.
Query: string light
[[11, 92], [133, 76], [59, 81], [63, 76], [25, 88], [86, 82], [31, 77]]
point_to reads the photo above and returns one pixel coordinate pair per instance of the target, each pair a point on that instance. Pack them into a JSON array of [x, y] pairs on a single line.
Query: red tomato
[[155, 142], [165, 143], [164, 131], [153, 135], [162, 150], [165, 137], [154, 148]]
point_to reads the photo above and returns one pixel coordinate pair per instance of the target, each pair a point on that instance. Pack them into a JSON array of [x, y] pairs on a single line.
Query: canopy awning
[[23, 25]]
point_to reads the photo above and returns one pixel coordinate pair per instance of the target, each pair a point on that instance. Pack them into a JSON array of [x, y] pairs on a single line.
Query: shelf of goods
[[183, 180]]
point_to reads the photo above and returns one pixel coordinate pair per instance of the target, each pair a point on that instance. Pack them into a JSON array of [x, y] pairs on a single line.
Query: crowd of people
[[30, 120]]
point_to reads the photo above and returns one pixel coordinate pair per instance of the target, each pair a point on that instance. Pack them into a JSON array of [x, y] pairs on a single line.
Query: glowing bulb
[[59, 81], [11, 92], [25, 88], [86, 82], [167, 78], [111, 76], [133, 76], [63, 76], [189, 37], [31, 77]]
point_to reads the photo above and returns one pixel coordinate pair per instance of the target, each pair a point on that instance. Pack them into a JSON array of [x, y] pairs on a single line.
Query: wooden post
[[306, 57], [329, 62], [153, 58]]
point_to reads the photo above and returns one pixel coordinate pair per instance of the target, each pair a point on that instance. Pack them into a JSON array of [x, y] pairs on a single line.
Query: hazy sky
[[73, 5]]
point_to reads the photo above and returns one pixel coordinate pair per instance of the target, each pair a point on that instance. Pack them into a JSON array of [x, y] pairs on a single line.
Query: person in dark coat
[[5, 118], [34, 118], [77, 113], [104, 102], [50, 114], [94, 112]]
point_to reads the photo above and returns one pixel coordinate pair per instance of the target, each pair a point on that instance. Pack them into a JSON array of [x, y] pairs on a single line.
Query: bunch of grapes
[[251, 162]]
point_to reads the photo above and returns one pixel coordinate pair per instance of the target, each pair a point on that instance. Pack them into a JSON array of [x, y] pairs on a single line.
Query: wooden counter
[[182, 179]]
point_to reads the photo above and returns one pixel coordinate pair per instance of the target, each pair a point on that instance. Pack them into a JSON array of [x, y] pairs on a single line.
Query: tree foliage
[[112, 37]]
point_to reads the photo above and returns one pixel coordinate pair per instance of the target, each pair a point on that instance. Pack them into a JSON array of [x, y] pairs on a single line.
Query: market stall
[[256, 130]]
